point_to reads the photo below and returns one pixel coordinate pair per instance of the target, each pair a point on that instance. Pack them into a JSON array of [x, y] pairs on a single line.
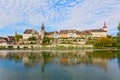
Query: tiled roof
[[30, 31], [97, 30], [93, 30], [66, 31], [86, 32], [3, 38], [11, 37], [78, 32], [51, 33]]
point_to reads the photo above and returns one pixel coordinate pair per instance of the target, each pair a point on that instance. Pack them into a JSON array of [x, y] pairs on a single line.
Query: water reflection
[[60, 65], [97, 59]]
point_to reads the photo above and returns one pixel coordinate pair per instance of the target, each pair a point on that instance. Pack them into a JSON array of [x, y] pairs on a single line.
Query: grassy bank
[[44, 47]]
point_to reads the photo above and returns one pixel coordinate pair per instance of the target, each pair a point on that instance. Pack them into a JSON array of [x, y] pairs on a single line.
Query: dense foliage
[[46, 40], [118, 36], [18, 37], [32, 38], [103, 42]]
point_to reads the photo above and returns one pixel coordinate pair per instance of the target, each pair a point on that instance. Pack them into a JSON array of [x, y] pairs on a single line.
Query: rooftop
[[30, 31]]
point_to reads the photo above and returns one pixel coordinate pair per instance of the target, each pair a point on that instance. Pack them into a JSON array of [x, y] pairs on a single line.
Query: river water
[[60, 65]]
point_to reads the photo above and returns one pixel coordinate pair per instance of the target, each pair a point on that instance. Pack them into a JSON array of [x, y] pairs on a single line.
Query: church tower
[[42, 31], [105, 27], [15, 32]]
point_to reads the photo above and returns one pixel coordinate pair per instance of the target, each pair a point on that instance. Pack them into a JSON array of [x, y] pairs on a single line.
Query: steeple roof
[[104, 25], [42, 26]]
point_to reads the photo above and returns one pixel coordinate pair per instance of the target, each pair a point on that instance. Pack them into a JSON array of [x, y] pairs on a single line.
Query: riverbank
[[46, 47], [51, 48]]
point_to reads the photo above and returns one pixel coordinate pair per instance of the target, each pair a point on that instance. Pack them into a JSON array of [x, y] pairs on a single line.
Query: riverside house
[[3, 41], [7, 40]]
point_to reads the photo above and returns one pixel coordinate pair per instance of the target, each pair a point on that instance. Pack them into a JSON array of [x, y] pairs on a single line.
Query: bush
[[18, 37], [46, 40], [103, 42], [32, 42], [10, 47], [32, 38], [25, 47], [2, 47], [71, 47], [18, 47]]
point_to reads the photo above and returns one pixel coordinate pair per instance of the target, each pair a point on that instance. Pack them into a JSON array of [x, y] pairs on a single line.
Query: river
[[60, 65]]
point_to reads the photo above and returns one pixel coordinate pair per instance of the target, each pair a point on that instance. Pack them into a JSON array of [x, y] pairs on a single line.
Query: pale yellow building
[[49, 34], [63, 34], [67, 34]]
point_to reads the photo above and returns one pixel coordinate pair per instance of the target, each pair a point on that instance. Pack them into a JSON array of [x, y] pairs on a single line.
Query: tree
[[118, 36], [46, 40], [103, 42], [18, 37], [89, 40], [118, 27], [32, 38], [113, 40]]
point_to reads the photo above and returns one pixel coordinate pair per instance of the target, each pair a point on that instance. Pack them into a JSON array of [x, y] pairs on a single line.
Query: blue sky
[[58, 14]]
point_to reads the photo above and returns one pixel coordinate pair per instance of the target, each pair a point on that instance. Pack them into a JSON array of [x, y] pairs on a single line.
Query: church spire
[[42, 31], [105, 26], [15, 32], [42, 26]]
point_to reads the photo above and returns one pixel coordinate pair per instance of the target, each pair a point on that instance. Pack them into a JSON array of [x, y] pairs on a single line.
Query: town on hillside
[[31, 36]]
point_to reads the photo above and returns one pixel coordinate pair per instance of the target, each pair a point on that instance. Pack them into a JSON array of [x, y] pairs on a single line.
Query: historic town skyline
[[58, 15]]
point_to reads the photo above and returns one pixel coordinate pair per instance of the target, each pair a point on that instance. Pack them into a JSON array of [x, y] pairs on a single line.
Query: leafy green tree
[[75, 40], [18, 37], [114, 43], [118, 27], [113, 40], [46, 40], [103, 42], [89, 40], [118, 36], [118, 40], [32, 38]]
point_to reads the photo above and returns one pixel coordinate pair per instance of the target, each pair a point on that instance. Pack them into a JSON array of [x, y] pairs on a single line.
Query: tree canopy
[[118, 36], [46, 40], [103, 42], [32, 38], [18, 37], [118, 27]]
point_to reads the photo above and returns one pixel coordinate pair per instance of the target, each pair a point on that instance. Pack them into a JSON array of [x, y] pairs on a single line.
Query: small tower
[[42, 31], [105, 27], [15, 32]]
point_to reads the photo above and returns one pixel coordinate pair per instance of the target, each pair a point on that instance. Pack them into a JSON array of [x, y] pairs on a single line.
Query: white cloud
[[61, 14], [91, 14]]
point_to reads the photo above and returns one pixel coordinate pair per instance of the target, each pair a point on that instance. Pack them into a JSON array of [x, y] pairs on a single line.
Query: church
[[39, 35], [66, 34]]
